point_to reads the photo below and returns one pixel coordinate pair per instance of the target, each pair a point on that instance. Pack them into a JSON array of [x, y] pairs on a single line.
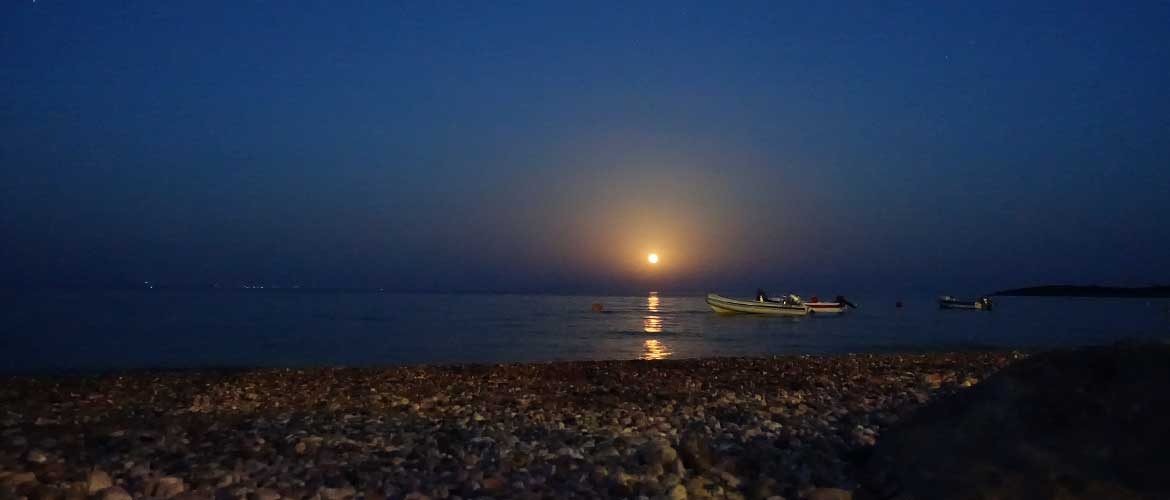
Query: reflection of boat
[[789, 306], [948, 302]]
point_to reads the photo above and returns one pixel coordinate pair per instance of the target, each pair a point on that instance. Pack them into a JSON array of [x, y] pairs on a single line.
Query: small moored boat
[[837, 306], [789, 306], [980, 304]]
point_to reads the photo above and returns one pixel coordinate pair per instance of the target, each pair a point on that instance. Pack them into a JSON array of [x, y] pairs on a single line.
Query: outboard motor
[[841, 299]]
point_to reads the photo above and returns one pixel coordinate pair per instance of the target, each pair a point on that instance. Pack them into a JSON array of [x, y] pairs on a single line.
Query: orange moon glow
[[652, 258]]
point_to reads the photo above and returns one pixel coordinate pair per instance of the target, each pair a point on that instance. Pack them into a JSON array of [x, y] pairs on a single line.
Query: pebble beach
[[780, 427]]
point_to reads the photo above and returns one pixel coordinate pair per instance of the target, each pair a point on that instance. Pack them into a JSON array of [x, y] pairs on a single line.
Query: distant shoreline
[[1147, 292]]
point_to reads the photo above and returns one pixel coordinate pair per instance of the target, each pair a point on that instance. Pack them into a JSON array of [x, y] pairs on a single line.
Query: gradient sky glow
[[549, 146]]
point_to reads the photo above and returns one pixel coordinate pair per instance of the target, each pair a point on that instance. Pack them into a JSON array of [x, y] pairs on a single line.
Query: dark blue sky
[[549, 146]]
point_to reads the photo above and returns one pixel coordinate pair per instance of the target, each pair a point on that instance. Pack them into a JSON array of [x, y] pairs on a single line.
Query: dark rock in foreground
[[709, 428], [1087, 423]]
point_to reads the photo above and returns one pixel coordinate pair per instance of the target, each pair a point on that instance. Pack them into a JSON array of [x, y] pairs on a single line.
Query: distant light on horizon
[[652, 258]]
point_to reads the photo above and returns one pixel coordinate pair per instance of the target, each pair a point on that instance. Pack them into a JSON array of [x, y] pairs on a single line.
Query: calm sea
[[69, 331]]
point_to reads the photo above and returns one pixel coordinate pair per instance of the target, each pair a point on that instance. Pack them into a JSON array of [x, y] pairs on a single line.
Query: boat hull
[[952, 303], [825, 307], [724, 305]]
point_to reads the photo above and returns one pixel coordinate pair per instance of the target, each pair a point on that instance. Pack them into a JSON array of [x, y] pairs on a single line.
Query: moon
[[652, 258]]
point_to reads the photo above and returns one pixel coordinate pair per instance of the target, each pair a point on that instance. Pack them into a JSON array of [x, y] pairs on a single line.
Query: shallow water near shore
[[46, 332]]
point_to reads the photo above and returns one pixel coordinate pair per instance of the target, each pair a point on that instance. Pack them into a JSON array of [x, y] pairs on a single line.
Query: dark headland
[[1088, 291], [1081, 423]]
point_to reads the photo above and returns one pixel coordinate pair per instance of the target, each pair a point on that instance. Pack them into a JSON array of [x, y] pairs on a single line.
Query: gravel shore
[[707, 428]]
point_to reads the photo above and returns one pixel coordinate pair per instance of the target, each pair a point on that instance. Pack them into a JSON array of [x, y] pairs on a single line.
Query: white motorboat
[[837, 306], [789, 306]]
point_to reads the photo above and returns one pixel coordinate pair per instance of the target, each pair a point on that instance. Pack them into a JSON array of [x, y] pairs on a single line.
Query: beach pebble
[[493, 484], [337, 493], [18, 479], [659, 453], [97, 480], [698, 487], [167, 487], [729, 479], [828, 494], [37, 456], [695, 450], [114, 493]]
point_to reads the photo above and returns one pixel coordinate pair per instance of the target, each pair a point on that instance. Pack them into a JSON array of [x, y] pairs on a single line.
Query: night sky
[[548, 146]]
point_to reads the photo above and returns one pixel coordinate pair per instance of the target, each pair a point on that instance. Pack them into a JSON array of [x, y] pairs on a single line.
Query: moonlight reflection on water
[[652, 323], [654, 349]]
